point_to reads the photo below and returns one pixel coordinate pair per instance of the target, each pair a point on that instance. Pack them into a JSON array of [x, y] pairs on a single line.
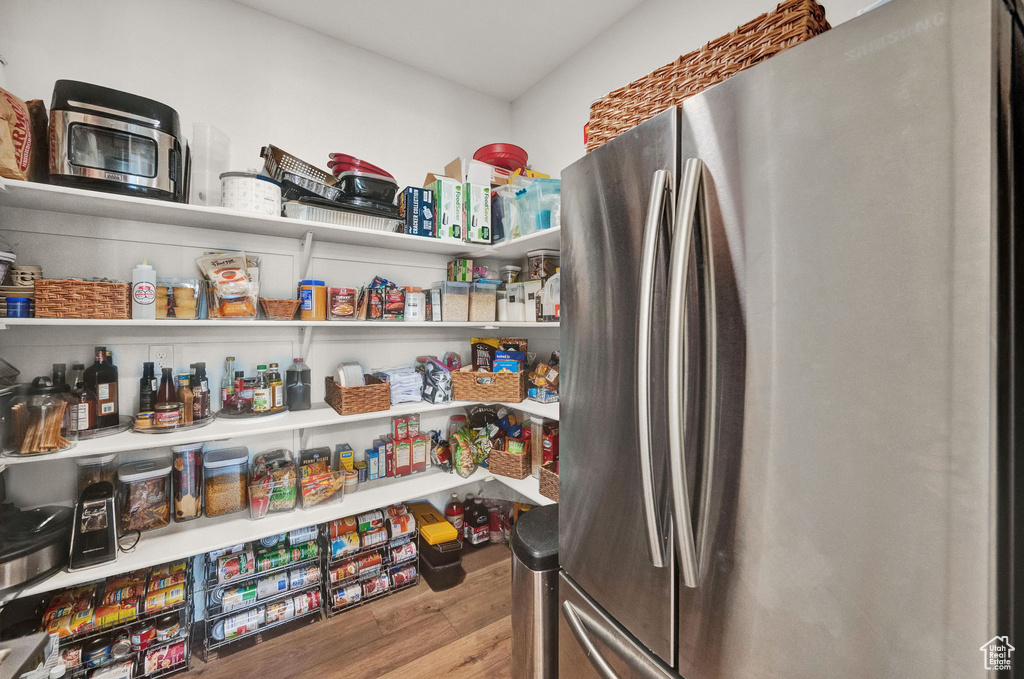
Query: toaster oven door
[[99, 152]]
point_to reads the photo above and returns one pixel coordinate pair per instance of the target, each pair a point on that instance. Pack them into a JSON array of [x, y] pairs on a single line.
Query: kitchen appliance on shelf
[[94, 533], [33, 544], [790, 424], [108, 140]]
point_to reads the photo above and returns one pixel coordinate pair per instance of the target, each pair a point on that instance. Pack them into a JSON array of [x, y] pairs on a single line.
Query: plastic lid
[[97, 459], [186, 447], [18, 299], [226, 457], [535, 538], [8, 256], [511, 267], [543, 253], [143, 470], [311, 282]]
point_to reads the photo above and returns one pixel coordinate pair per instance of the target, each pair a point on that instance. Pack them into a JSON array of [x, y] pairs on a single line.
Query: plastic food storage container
[[224, 480], [95, 469], [540, 205], [483, 302], [145, 494], [516, 301], [454, 301], [542, 264], [273, 483], [322, 487], [187, 481], [510, 273], [42, 418]]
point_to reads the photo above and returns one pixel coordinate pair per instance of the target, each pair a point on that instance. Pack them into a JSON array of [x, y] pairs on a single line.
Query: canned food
[[370, 520], [167, 626], [377, 536], [403, 524], [346, 596], [271, 585], [377, 585], [233, 598], [300, 535], [405, 576], [303, 576], [143, 636], [96, 652], [166, 415], [122, 646]]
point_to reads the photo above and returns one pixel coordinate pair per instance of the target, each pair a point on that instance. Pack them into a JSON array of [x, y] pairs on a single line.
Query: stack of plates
[[17, 291]]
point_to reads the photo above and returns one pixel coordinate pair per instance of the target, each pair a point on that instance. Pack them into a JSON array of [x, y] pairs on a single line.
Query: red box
[[403, 456], [420, 451]]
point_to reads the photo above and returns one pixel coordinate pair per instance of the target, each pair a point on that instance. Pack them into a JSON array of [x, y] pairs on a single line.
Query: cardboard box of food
[[478, 213], [475, 172], [416, 207], [460, 270], [447, 207]]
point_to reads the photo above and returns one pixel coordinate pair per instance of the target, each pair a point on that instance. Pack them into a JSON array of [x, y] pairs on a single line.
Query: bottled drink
[[276, 387], [147, 388], [200, 393], [261, 391], [84, 407], [299, 385], [59, 375], [227, 383], [243, 396], [166, 392], [479, 522], [101, 378], [185, 398], [454, 512], [467, 507]]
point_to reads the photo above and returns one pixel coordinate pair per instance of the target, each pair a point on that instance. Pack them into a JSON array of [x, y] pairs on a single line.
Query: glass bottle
[[261, 391], [276, 387], [185, 398], [299, 385], [243, 397], [204, 389], [59, 375], [84, 408], [467, 508], [147, 388], [227, 384], [166, 392], [101, 378]]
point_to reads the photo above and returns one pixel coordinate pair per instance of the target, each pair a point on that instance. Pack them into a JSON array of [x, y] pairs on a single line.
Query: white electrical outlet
[[162, 356]]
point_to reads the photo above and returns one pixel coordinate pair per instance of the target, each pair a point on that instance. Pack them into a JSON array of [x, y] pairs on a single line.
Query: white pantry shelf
[[223, 429], [65, 200], [528, 488], [170, 324]]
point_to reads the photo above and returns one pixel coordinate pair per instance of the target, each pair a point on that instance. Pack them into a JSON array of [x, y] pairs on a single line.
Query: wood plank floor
[[462, 633]]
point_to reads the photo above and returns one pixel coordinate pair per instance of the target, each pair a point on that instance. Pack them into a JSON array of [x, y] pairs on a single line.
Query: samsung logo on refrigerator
[[921, 26]]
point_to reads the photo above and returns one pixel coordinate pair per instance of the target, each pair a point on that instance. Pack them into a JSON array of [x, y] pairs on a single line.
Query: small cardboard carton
[[447, 207], [478, 213], [416, 207]]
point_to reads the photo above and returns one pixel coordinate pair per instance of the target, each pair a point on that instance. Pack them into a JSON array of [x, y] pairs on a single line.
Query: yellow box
[[434, 528]]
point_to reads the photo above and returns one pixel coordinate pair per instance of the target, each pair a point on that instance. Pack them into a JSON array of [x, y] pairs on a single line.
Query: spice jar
[[43, 420], [145, 494], [313, 295], [224, 480], [187, 481]]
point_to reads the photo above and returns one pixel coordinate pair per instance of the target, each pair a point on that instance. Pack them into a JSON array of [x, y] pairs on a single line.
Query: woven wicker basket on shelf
[[483, 386], [549, 481], [791, 23], [82, 299], [374, 396], [512, 465], [280, 309]]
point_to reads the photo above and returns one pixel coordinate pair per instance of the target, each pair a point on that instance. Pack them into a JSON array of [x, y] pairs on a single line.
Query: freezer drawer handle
[[661, 196], [692, 210], [580, 632]]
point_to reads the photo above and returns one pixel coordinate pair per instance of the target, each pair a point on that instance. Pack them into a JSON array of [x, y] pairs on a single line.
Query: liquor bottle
[[185, 397], [101, 378], [261, 391], [200, 392], [227, 384], [84, 399], [166, 393], [147, 388], [204, 388], [276, 387]]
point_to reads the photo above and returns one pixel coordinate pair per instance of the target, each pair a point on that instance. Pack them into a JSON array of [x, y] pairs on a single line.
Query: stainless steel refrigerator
[[791, 335]]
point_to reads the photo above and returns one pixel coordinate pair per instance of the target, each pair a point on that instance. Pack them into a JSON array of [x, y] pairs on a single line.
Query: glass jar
[[95, 469], [187, 481], [43, 419], [145, 494], [224, 480]]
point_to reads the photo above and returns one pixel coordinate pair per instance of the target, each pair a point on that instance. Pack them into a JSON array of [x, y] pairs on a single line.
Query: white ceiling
[[500, 48]]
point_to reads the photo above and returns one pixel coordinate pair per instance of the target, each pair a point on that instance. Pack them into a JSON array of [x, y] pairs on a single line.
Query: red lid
[[508, 156], [342, 162]]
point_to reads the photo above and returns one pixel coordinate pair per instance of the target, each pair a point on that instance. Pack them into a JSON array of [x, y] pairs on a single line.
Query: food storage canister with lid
[[454, 301], [272, 483], [542, 264], [516, 301], [43, 419], [510, 273], [187, 481], [224, 480], [145, 492], [483, 302], [96, 468]]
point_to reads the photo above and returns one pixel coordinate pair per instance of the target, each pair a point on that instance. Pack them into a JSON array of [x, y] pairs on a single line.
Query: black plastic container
[[371, 186], [443, 577], [440, 555]]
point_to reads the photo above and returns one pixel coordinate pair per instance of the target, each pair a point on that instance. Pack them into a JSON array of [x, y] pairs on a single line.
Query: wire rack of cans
[[254, 587], [369, 556], [136, 624]]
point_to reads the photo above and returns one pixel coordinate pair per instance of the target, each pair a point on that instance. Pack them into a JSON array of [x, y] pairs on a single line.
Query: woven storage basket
[[280, 309], [549, 481], [82, 299], [482, 386], [504, 463], [374, 396], [791, 23]]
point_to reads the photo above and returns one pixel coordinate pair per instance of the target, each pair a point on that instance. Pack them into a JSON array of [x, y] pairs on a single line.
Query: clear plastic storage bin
[[224, 480], [540, 205], [145, 494], [454, 301], [483, 302], [273, 483], [96, 468]]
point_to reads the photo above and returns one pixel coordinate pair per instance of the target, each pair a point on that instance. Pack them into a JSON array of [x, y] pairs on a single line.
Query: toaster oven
[[108, 140]]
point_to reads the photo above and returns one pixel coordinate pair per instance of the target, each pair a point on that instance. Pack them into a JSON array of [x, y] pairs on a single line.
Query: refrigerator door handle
[[661, 194], [580, 632], [691, 210]]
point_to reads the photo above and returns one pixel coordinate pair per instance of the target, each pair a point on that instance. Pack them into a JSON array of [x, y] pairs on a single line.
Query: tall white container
[[143, 292]]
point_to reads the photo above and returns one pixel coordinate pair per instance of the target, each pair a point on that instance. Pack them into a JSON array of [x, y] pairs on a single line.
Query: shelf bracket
[[307, 339], [307, 256], [303, 439]]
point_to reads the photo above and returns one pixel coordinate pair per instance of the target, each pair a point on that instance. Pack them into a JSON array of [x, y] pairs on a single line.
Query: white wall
[[259, 79], [548, 119]]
